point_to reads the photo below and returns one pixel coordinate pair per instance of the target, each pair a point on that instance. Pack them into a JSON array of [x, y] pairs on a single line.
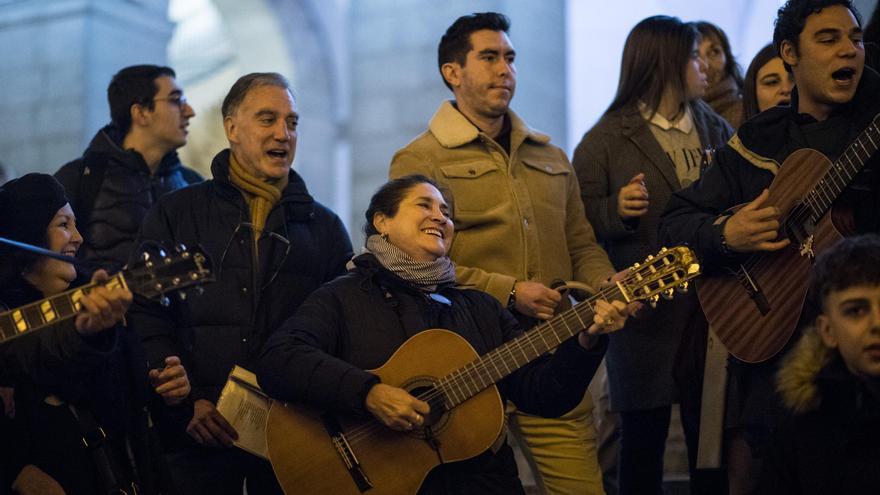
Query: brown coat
[[640, 358], [517, 216]]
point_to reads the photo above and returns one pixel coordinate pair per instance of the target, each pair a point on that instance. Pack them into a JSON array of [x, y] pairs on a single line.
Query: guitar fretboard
[[479, 374], [48, 311], [657, 276], [843, 171]]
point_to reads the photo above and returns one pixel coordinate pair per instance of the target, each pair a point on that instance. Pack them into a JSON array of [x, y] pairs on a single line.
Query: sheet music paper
[[246, 407]]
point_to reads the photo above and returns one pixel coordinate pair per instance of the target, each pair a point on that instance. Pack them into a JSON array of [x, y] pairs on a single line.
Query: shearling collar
[[452, 129], [797, 379]]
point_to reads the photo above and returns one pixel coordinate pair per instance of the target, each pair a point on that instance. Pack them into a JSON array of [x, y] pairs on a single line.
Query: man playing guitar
[[820, 42]]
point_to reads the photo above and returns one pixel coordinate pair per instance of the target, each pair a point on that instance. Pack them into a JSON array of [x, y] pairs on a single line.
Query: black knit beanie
[[27, 205]]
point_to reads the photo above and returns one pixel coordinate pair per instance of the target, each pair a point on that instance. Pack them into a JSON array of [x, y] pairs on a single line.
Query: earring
[[384, 236]]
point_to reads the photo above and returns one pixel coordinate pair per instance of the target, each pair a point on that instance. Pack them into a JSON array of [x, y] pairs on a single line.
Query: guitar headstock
[[159, 271], [660, 275]]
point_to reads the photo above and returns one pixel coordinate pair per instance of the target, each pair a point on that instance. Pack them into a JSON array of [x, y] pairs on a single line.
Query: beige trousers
[[563, 450]]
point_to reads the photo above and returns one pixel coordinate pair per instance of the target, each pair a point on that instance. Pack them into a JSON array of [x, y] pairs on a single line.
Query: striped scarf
[[426, 275]]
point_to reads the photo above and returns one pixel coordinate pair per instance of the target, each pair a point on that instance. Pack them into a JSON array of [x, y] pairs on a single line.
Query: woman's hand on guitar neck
[[609, 317], [395, 408], [753, 228], [102, 307]]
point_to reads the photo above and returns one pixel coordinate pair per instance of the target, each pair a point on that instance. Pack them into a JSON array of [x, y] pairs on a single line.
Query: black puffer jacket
[[228, 324], [749, 162], [127, 191], [356, 322], [831, 442], [104, 375]]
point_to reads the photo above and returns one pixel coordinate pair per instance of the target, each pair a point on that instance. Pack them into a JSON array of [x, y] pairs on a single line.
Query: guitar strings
[[497, 355], [800, 215]]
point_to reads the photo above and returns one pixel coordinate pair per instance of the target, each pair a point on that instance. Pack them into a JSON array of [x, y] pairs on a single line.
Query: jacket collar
[[763, 140], [635, 128], [452, 129], [295, 197], [108, 142]]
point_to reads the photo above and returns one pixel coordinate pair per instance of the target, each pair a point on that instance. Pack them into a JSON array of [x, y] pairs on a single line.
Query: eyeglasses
[[178, 100], [249, 229]]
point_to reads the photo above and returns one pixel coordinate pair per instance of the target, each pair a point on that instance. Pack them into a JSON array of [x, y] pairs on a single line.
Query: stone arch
[[292, 37]]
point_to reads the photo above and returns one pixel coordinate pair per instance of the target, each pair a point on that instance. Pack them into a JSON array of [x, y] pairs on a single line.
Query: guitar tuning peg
[[199, 290], [164, 301], [683, 288], [180, 248], [181, 295], [667, 294], [162, 253], [650, 257], [145, 256], [663, 250], [653, 300]]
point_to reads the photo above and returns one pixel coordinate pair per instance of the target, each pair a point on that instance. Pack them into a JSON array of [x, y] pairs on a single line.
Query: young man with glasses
[[271, 246], [130, 162]]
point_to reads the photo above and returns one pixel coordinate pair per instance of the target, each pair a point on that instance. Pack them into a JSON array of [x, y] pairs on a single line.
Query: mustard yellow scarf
[[260, 195]]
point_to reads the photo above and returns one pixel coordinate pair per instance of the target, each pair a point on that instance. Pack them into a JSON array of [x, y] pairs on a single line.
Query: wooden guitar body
[[750, 334], [319, 453], [306, 461]]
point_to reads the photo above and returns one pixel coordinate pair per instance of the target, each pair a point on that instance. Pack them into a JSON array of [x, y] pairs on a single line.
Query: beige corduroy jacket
[[517, 216]]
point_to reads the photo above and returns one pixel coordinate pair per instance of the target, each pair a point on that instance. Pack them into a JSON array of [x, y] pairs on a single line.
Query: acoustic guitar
[[154, 276], [755, 305], [317, 453]]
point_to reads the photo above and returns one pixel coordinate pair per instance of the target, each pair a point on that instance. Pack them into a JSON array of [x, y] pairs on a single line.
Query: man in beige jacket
[[519, 219]]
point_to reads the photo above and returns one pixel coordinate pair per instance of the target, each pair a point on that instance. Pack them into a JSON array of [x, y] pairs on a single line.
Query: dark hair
[[386, 199], [456, 42], [750, 84], [872, 29], [248, 82], [130, 86], [655, 55], [731, 68], [792, 17], [851, 262]]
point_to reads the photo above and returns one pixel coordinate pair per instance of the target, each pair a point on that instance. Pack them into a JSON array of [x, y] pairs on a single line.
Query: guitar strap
[[95, 441]]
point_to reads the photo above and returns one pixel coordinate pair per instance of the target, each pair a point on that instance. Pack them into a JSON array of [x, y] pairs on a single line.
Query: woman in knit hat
[[85, 367]]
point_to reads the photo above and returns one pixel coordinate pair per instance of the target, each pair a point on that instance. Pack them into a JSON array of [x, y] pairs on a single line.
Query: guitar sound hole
[[437, 418]]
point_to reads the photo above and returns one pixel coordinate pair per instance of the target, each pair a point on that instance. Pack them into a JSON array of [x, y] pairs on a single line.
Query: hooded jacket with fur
[[831, 442]]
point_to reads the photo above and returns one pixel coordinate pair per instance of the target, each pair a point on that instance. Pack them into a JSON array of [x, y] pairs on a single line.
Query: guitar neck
[[844, 170], [490, 368], [51, 310]]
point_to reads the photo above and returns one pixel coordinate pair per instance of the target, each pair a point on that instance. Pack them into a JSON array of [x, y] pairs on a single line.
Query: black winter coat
[[832, 449], [303, 245], [105, 375], [356, 322], [114, 212], [744, 167], [621, 145]]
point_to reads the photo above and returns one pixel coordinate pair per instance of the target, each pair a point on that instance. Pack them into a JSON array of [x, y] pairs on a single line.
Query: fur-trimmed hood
[[798, 378]]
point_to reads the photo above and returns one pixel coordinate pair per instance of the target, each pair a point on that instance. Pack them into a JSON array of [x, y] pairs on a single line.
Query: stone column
[[58, 57]]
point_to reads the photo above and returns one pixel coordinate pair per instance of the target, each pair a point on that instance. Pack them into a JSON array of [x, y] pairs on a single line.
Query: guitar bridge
[[343, 448], [753, 289]]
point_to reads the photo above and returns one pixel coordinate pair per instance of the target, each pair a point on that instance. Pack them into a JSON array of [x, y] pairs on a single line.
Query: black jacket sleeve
[[695, 215], [297, 363], [553, 384], [46, 357], [154, 324]]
